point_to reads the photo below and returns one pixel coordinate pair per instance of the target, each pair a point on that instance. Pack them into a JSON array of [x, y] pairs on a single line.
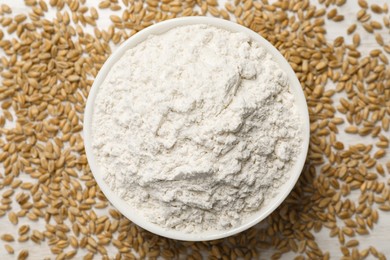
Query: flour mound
[[195, 127]]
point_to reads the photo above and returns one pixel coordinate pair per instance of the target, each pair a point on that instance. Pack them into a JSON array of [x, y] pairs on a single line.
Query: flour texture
[[195, 128]]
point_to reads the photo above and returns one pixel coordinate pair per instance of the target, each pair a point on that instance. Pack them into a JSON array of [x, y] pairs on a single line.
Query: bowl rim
[[124, 207]]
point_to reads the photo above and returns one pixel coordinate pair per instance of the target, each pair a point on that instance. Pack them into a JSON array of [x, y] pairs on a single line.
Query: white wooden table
[[379, 236]]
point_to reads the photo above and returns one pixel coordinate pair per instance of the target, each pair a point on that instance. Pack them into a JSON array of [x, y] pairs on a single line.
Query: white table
[[379, 236]]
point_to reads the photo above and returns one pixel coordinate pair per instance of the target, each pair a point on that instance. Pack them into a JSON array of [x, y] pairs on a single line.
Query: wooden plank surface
[[379, 236]]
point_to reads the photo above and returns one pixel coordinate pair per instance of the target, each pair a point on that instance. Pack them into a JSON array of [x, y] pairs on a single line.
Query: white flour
[[194, 127]]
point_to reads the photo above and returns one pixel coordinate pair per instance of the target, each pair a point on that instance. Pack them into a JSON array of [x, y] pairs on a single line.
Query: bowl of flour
[[196, 128]]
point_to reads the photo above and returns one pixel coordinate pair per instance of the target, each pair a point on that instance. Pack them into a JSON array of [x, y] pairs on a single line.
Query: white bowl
[[269, 206]]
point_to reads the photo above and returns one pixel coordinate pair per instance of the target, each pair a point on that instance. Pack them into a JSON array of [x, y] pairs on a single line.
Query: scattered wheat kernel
[[363, 3], [9, 249], [7, 238], [23, 255], [351, 28], [376, 8], [13, 218]]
